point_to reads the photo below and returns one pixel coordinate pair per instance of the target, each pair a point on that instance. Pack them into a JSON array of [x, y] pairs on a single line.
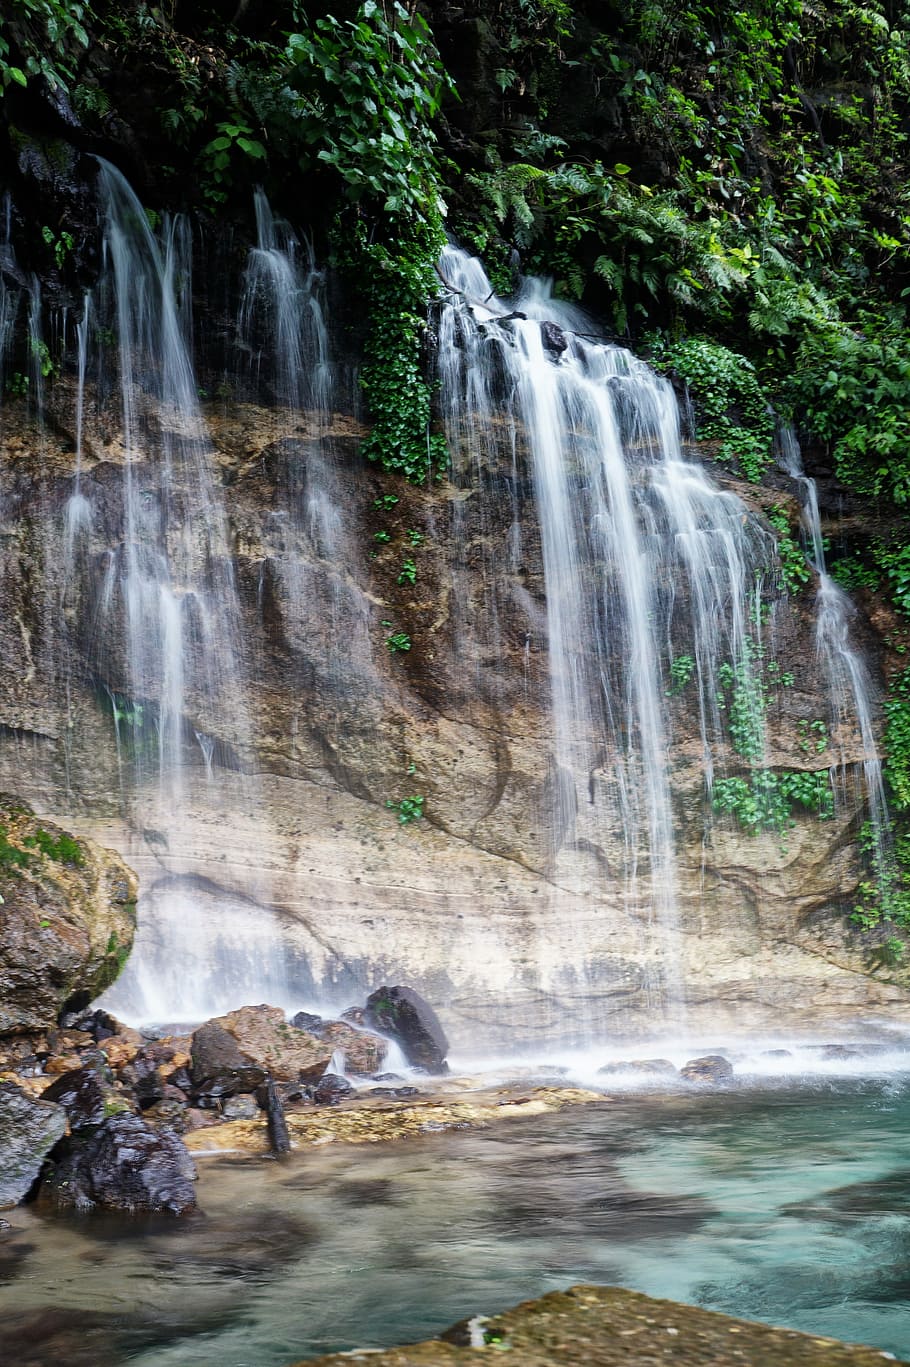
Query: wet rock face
[[412, 1023], [66, 919], [124, 1165], [29, 1129]]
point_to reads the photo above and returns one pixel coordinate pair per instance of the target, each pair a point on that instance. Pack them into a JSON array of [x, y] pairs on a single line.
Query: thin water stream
[[790, 1205]]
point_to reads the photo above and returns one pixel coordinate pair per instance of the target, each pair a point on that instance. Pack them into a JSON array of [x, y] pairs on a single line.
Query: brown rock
[[603, 1326], [66, 922], [121, 1049], [364, 1053], [62, 1063], [709, 1068], [263, 1036]]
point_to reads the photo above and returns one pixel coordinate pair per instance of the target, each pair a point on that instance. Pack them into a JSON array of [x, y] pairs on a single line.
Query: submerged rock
[[708, 1068], [603, 1326], [412, 1023], [29, 1129], [657, 1066], [124, 1165]]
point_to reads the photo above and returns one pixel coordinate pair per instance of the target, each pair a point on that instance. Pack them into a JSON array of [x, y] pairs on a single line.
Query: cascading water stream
[[849, 687], [170, 616], [642, 557]]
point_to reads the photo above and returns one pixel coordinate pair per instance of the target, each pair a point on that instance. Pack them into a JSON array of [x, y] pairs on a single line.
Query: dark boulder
[[305, 1020], [404, 1015], [219, 1065], [87, 1097], [709, 1068], [553, 338], [331, 1089], [124, 1165], [29, 1129]]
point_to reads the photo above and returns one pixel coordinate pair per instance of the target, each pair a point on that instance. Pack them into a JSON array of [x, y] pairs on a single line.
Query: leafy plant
[[408, 573], [682, 667], [64, 850], [795, 571], [409, 809], [399, 641]]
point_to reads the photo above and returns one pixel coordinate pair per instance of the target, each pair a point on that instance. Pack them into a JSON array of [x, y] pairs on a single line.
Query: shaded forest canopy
[[726, 186]]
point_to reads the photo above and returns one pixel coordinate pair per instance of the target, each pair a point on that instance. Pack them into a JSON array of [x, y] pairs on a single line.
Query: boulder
[[659, 1067], [553, 338], [412, 1023], [363, 1052], [219, 1066], [305, 1020], [255, 1041], [331, 1089], [124, 1165], [29, 1129], [87, 1097], [709, 1068], [67, 919]]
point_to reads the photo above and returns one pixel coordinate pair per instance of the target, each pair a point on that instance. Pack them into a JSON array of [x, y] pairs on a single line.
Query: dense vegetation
[[727, 185]]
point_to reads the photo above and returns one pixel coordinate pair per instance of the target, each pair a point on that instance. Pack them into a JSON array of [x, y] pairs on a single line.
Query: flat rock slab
[[375, 1120], [597, 1326]]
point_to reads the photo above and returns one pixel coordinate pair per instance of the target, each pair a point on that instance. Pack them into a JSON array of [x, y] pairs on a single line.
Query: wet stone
[[659, 1067], [240, 1108], [404, 1015], [305, 1020], [124, 1165], [713, 1068], [87, 1097], [331, 1089], [29, 1129]]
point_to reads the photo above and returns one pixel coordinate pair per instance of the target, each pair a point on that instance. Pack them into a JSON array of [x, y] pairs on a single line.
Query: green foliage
[[11, 857], [812, 736], [897, 740], [766, 799], [729, 403], [795, 570], [365, 94], [408, 573], [41, 38], [414, 538], [64, 850], [385, 503], [399, 641], [744, 697], [397, 278], [409, 809], [852, 573], [220, 154], [682, 667], [382, 537], [884, 895]]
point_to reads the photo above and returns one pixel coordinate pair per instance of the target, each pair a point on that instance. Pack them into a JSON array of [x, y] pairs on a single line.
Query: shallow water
[[789, 1205]]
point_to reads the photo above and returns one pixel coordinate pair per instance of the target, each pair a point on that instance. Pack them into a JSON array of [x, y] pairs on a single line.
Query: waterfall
[[169, 642], [849, 687], [644, 560]]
